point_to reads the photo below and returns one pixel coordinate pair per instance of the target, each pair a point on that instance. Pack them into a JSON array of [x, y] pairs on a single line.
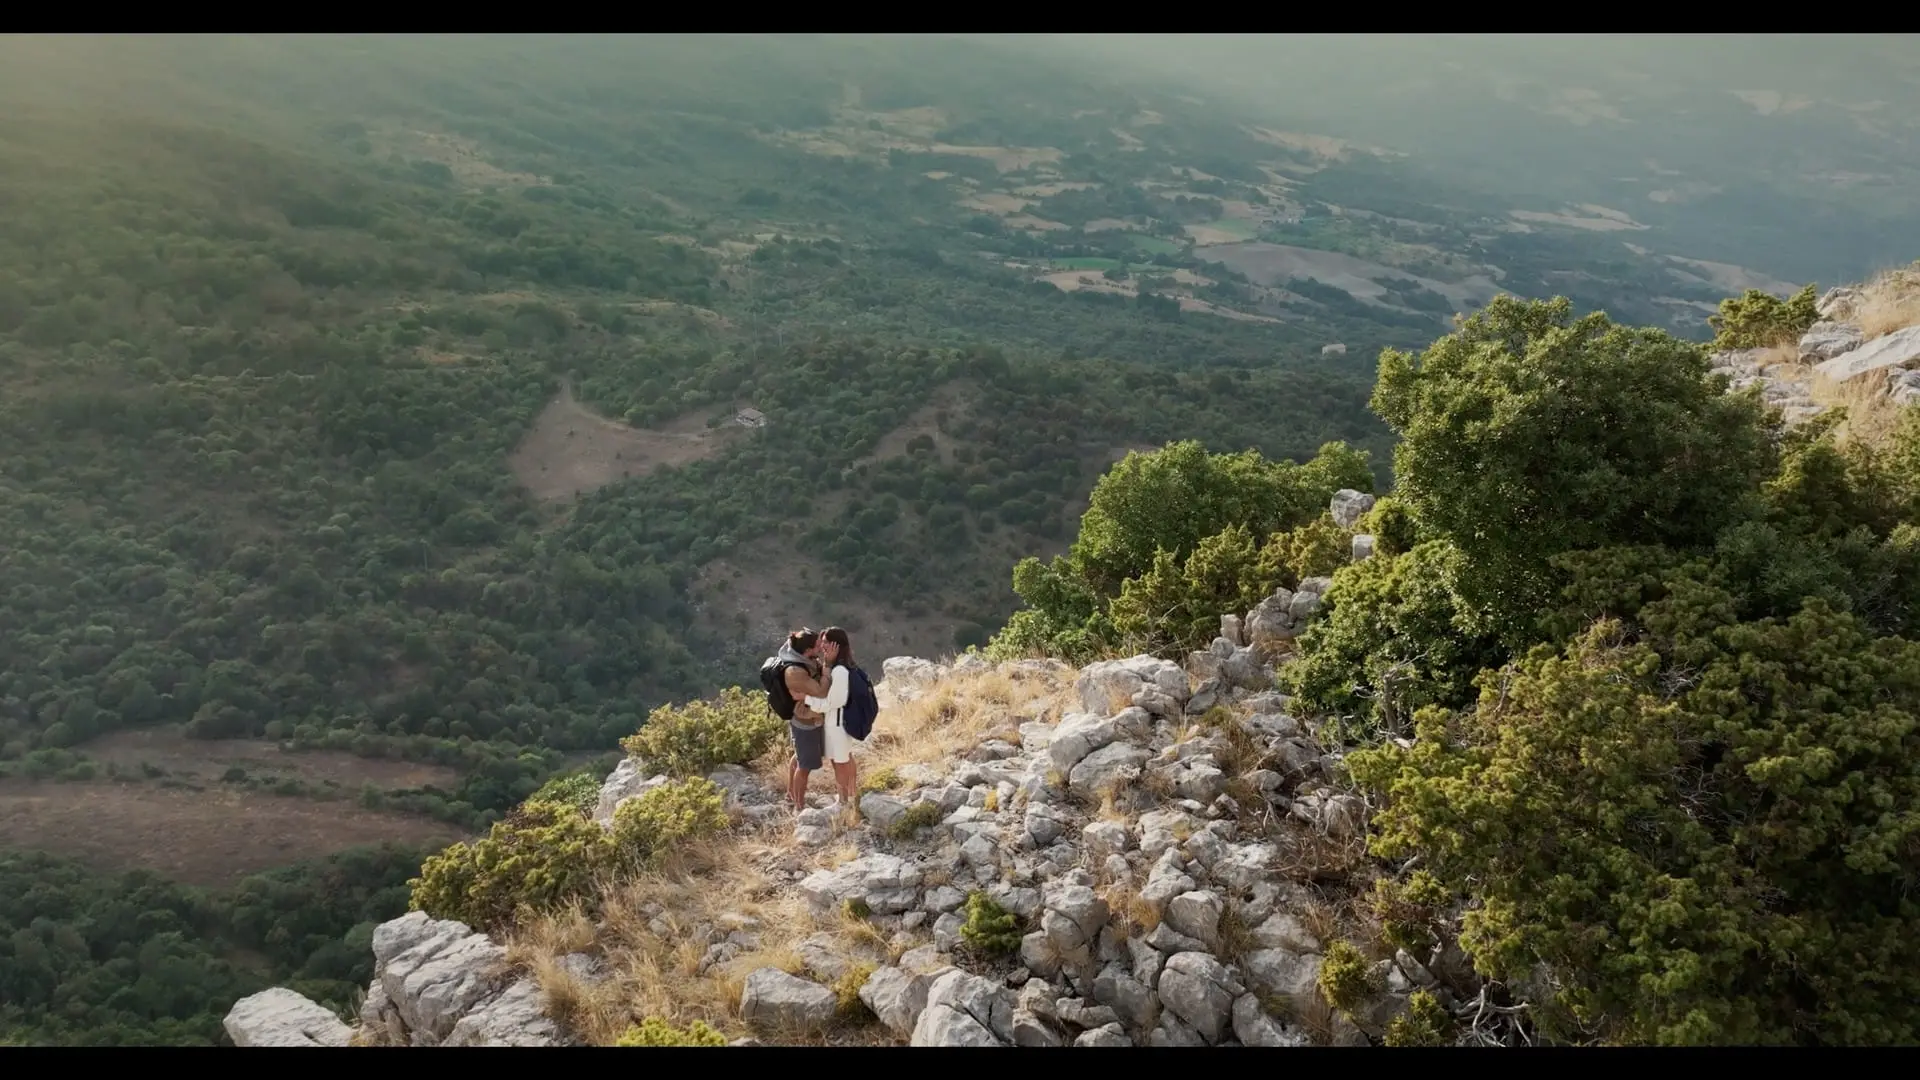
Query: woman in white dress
[[836, 657]]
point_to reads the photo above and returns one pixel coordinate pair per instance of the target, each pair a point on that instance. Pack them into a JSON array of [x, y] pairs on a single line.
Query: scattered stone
[[1255, 1028], [1197, 915], [965, 1010], [1111, 1035], [629, 779], [896, 997], [775, 999], [281, 1017]]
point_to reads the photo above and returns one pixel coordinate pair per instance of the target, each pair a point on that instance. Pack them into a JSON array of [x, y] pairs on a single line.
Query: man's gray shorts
[[809, 745]]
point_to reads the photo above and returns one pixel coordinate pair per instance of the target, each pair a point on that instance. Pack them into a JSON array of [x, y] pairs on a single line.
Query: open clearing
[[204, 760], [996, 202], [572, 450], [209, 838], [1272, 264], [1589, 217], [1730, 278], [1155, 245], [1223, 231], [462, 157]]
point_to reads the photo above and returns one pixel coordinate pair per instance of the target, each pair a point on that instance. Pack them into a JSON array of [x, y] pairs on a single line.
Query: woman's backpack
[[862, 705]]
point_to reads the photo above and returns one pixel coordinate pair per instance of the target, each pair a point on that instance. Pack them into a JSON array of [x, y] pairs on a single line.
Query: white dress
[[834, 707]]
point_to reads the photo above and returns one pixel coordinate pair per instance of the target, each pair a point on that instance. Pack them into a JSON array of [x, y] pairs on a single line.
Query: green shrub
[[700, 736], [540, 856], [646, 827], [1347, 980], [1702, 827], [1409, 911], [921, 815], [1425, 1023], [1760, 320], [990, 929], [578, 790], [654, 1031]]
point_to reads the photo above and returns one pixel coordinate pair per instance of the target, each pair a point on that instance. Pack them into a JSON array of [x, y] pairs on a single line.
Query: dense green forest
[[277, 315], [89, 959]]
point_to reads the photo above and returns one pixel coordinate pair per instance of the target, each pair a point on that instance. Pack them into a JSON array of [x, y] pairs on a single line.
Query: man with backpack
[[790, 676]]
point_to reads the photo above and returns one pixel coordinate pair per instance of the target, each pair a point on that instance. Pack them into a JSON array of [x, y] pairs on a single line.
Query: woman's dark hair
[[803, 639], [839, 637]]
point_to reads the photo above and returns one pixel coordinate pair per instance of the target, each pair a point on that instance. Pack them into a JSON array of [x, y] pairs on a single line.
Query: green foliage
[[579, 790], [654, 1031], [649, 826], [1391, 525], [1759, 320], [990, 929], [1700, 824], [542, 855], [1425, 1023], [1527, 433], [923, 814], [694, 739], [1388, 639], [1168, 543], [1410, 912], [1346, 979], [134, 960]]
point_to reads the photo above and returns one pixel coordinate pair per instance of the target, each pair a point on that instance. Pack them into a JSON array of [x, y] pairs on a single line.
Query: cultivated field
[[210, 838]]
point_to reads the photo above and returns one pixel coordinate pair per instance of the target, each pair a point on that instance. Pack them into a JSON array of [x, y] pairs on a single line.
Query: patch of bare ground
[[996, 202], [1589, 217], [951, 399], [1028, 221], [204, 760], [754, 596], [461, 156], [1728, 277], [210, 838], [572, 449]]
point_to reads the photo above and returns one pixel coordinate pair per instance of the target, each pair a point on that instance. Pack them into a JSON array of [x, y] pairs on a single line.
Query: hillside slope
[[1131, 853]]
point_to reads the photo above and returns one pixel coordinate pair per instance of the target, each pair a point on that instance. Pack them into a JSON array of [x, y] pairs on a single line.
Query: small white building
[[750, 418], [1335, 349]]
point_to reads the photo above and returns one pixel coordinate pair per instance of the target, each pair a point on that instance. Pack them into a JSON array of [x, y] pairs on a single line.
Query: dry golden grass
[[648, 973], [1872, 416], [656, 973], [957, 715], [1889, 302]]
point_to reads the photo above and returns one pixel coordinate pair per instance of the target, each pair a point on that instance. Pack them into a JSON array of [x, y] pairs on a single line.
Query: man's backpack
[[862, 705], [773, 676]]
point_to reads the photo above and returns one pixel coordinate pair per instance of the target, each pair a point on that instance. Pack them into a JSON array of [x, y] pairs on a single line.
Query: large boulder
[[771, 998], [1349, 506], [1891, 350], [904, 678], [1107, 687], [434, 972], [280, 1017], [965, 1010], [878, 879]]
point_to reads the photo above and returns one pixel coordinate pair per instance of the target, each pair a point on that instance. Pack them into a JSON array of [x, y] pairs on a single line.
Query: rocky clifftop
[[1140, 852], [1864, 347]]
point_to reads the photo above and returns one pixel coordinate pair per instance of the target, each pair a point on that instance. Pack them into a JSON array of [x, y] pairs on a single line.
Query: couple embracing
[[814, 684]]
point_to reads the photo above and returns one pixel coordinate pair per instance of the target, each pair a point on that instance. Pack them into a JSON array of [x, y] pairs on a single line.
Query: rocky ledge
[[1161, 849]]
